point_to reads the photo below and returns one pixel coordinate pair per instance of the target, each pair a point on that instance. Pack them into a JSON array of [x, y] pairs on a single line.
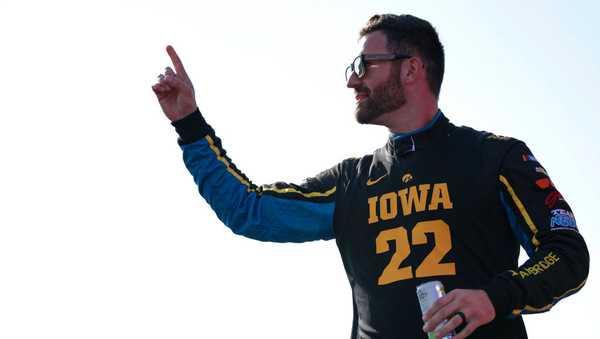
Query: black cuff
[[499, 292], [191, 128]]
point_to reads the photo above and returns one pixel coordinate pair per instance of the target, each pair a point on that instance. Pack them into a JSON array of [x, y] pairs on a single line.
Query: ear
[[412, 70]]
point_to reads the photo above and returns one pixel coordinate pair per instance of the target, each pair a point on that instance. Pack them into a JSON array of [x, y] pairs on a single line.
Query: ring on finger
[[461, 315]]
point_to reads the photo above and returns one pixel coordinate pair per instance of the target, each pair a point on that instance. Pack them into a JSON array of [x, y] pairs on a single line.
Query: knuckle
[[481, 315], [443, 301], [457, 292], [471, 317]]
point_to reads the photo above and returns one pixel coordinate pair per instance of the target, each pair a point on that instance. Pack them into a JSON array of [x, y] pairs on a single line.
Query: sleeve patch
[[562, 219], [529, 157]]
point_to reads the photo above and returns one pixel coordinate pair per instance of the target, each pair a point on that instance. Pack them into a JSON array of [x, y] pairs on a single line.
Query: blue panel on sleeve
[[516, 227], [257, 216]]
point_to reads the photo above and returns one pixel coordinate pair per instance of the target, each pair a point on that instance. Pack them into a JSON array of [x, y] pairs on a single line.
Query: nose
[[353, 81]]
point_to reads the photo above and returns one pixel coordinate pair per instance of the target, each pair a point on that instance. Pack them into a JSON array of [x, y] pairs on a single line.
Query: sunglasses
[[360, 63]]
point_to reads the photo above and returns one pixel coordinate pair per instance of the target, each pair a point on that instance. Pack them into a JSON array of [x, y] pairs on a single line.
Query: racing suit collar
[[418, 130], [421, 138]]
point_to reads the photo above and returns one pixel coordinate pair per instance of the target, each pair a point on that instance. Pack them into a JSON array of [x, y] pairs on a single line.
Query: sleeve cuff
[[191, 128], [499, 292]]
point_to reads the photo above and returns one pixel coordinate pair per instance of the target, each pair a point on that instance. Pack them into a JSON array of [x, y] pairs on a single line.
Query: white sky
[[102, 232]]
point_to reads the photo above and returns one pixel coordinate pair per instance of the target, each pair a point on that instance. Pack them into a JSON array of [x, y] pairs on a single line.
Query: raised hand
[[174, 90]]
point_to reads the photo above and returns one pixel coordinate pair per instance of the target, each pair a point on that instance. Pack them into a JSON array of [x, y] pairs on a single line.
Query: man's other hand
[[475, 306]]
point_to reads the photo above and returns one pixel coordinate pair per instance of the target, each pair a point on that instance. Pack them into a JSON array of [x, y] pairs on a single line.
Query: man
[[437, 202]]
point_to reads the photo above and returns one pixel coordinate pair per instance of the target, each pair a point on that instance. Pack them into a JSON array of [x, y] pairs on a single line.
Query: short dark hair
[[409, 34]]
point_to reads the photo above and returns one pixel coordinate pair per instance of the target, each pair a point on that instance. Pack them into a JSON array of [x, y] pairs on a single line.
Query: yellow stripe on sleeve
[[245, 182], [549, 306], [308, 195], [221, 158], [523, 211]]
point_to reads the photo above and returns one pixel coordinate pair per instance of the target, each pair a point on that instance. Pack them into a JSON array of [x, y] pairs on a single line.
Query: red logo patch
[[544, 183], [552, 198]]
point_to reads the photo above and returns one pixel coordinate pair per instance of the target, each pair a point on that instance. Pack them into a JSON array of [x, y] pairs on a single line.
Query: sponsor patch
[[562, 219], [552, 198], [544, 183], [529, 157], [537, 268], [541, 170]]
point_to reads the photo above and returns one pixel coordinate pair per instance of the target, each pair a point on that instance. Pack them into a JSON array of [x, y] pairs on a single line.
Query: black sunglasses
[[360, 63]]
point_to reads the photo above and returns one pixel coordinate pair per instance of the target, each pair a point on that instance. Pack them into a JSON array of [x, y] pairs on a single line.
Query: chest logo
[[407, 177], [372, 182]]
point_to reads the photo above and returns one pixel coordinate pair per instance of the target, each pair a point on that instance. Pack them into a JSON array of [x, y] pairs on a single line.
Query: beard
[[383, 99]]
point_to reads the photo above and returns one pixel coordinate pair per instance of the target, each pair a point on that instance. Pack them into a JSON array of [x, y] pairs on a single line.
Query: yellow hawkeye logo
[[371, 182], [407, 177]]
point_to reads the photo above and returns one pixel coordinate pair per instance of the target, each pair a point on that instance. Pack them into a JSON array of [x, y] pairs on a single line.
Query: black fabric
[[429, 207], [191, 128], [483, 247]]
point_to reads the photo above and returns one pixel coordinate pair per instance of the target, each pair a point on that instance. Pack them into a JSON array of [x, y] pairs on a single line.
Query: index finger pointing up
[[176, 61]]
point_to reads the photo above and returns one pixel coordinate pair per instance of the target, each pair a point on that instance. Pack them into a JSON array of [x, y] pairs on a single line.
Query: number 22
[[430, 266]]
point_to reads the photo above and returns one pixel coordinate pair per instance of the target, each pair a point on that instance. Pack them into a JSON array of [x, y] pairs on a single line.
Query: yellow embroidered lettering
[[418, 200], [388, 206], [373, 210], [440, 195]]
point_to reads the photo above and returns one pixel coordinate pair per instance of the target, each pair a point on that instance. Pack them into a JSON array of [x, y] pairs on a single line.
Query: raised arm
[[281, 212]]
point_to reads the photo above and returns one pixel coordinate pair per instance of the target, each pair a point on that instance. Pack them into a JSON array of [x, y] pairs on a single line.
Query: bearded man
[[437, 202]]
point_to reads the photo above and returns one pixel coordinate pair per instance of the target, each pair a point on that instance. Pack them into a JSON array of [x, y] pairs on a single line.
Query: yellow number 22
[[431, 265]]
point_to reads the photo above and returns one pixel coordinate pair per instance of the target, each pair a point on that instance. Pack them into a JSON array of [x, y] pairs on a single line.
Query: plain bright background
[[102, 231]]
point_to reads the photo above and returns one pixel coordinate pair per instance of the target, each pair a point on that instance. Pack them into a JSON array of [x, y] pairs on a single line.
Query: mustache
[[362, 90]]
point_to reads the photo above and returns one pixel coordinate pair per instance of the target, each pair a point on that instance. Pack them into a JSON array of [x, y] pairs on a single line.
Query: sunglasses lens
[[349, 71], [359, 67]]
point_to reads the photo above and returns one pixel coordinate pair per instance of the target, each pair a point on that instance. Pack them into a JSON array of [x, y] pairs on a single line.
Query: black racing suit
[[448, 203]]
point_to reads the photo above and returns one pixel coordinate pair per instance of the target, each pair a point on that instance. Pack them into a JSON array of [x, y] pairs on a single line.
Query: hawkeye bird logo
[[372, 182], [407, 177]]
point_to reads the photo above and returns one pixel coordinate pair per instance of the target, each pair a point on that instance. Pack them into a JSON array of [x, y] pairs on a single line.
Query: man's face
[[380, 90]]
